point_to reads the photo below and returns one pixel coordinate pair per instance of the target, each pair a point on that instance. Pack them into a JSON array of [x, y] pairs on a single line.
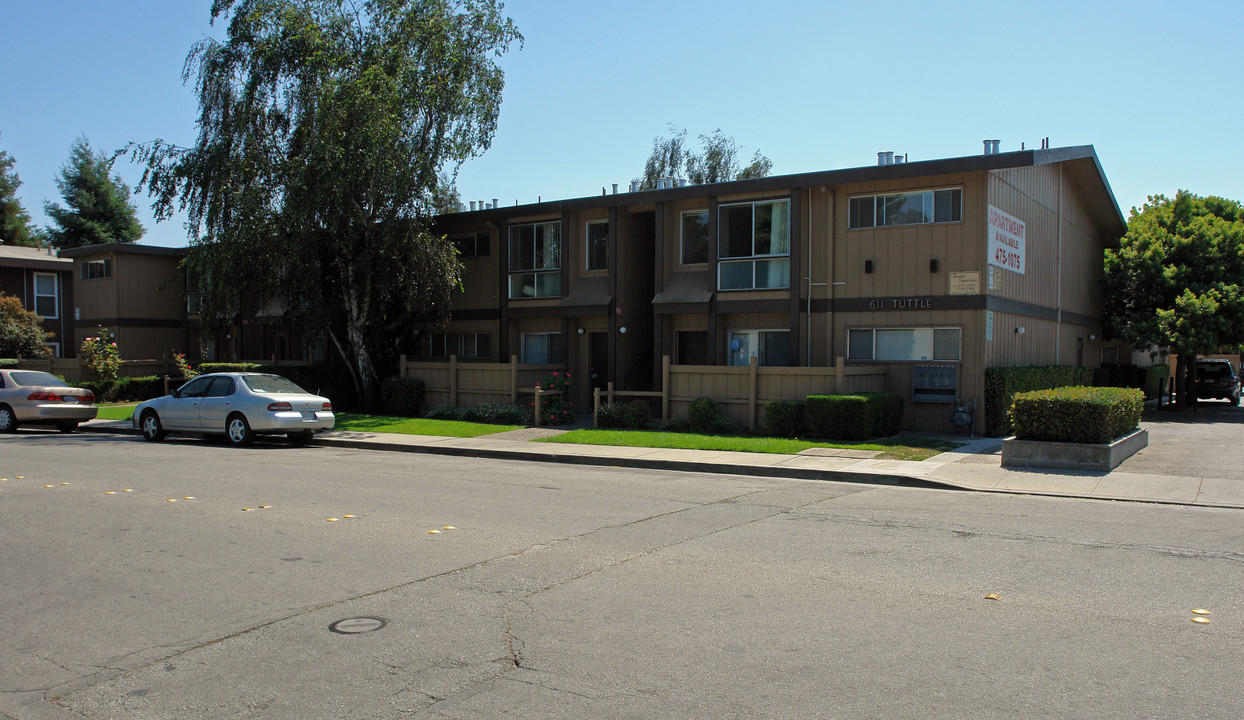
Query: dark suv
[[1216, 379]]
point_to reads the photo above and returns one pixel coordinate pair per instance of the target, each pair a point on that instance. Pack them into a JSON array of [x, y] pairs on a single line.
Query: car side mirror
[[177, 393]]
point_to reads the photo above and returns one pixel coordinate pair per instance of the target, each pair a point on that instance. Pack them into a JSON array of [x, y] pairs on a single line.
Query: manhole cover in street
[[354, 626]]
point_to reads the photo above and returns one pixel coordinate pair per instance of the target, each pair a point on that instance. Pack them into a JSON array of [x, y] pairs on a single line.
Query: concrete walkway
[[977, 465]]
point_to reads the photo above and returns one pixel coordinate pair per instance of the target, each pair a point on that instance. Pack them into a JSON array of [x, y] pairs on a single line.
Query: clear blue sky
[[815, 85]]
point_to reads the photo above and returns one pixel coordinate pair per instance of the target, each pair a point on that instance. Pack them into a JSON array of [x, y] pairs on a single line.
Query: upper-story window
[[909, 208], [536, 260], [97, 269], [47, 301], [597, 249], [753, 245], [472, 245], [695, 237]]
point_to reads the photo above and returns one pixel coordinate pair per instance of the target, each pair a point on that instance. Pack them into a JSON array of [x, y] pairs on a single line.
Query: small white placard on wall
[[988, 325]]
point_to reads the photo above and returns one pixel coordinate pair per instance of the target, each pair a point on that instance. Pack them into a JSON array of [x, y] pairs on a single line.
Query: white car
[[239, 406], [32, 397]]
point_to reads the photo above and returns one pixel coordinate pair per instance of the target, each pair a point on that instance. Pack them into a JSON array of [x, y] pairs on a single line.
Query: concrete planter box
[[1072, 456]]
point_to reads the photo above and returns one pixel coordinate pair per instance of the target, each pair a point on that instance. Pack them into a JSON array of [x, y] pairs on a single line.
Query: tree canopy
[[1177, 278], [21, 334], [717, 160], [14, 220], [97, 206], [326, 131]]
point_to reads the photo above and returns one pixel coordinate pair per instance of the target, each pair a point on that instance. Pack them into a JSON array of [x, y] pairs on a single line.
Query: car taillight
[[45, 396], [88, 398], [328, 407], [278, 406]]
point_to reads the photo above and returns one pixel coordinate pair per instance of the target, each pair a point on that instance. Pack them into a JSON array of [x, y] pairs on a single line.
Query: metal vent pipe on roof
[[995, 144], [472, 206], [615, 188], [988, 147]]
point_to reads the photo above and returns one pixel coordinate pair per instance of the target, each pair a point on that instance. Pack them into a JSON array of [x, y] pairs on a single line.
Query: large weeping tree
[[326, 130]]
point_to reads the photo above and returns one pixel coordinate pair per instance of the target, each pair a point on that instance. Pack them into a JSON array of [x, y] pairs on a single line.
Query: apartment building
[[44, 284], [936, 269]]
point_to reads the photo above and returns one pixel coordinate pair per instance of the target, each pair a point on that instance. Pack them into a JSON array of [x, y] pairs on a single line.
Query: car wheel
[[238, 431], [66, 427], [300, 439], [153, 431], [8, 421]]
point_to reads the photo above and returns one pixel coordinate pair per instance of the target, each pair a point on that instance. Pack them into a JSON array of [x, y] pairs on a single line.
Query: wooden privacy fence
[[741, 392], [470, 383]]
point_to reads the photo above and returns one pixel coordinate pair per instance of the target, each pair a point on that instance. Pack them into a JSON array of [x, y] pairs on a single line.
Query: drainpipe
[[1058, 323], [808, 334]]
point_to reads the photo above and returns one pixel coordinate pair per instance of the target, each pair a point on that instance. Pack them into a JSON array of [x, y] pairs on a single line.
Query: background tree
[[21, 333], [323, 126], [14, 220], [717, 160], [1177, 279], [97, 206]]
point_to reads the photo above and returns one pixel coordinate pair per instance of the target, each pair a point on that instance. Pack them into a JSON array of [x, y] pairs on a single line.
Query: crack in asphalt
[[966, 532]]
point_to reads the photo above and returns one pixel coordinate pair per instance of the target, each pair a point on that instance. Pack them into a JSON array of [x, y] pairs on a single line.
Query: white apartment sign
[[1005, 244]]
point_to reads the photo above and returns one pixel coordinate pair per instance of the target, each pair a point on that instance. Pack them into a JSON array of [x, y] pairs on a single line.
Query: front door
[[598, 359]]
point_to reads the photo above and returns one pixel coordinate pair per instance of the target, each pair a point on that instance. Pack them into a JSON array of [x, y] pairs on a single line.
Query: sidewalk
[[977, 465]]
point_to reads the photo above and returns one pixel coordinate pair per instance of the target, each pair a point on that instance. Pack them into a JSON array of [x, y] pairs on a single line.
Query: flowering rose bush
[[100, 355], [183, 367], [556, 409]]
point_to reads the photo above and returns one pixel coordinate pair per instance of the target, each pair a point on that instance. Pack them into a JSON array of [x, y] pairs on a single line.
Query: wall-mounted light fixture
[[580, 331], [622, 329], [868, 267], [1019, 330], [1092, 337]]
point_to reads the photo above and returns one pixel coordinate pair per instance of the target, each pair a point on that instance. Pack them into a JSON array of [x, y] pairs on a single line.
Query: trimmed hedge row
[[1077, 414], [784, 418], [1001, 384], [1150, 379], [403, 397], [131, 389], [855, 417], [631, 415]]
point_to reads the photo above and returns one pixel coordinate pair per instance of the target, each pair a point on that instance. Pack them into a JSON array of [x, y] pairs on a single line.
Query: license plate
[[306, 415], [69, 398]]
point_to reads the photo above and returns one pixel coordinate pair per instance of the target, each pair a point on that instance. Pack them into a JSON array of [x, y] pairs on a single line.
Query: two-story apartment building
[[44, 283], [937, 269]]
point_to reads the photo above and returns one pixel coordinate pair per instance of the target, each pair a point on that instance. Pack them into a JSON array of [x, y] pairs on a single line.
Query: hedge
[[1001, 384], [784, 418], [130, 389], [855, 417], [633, 415], [1152, 379], [402, 396], [1077, 414]]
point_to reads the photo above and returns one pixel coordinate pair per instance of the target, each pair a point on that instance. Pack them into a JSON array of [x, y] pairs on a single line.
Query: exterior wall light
[[1019, 330], [580, 331], [622, 329]]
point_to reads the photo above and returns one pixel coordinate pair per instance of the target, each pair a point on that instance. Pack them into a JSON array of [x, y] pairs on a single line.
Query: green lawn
[[416, 426], [890, 449], [116, 412]]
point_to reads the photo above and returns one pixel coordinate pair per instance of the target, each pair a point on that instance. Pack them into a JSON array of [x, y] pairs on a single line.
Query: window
[[903, 344], [695, 237], [542, 348], [47, 302], [536, 260], [771, 348], [464, 345], [912, 208], [760, 234], [597, 244], [97, 269], [472, 245]]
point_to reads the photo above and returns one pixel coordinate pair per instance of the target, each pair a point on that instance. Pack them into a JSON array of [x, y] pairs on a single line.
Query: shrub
[[704, 417], [497, 414], [100, 355], [134, 389], [1152, 379], [215, 367], [784, 418], [1001, 384], [402, 396], [1077, 414], [446, 412], [555, 409], [855, 417], [634, 414]]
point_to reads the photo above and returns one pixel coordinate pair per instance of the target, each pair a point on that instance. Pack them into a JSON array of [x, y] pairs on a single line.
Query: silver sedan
[[33, 397], [239, 406]]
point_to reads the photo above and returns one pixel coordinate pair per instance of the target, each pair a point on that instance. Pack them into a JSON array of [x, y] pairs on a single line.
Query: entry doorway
[[598, 359]]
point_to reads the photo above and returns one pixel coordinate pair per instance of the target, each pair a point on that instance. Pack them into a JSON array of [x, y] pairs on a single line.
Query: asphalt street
[[192, 580]]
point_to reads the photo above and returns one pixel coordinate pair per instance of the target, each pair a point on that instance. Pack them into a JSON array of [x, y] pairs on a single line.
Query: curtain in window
[[775, 349], [778, 230], [535, 349]]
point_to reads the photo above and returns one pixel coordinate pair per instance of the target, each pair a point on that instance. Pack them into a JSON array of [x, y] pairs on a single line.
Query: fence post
[[751, 393], [609, 392], [665, 388], [595, 407], [537, 404], [513, 379], [166, 384], [839, 367], [401, 366], [453, 380]]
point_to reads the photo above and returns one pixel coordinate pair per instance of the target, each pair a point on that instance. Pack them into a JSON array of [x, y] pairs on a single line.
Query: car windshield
[[34, 377], [271, 384]]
